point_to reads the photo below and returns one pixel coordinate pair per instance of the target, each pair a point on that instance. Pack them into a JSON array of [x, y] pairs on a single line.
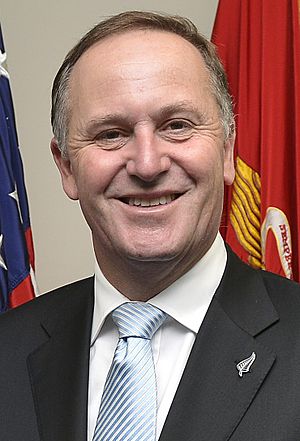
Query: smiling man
[[146, 157], [174, 338]]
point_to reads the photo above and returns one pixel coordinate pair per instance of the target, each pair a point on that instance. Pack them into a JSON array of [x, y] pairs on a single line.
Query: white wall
[[37, 35]]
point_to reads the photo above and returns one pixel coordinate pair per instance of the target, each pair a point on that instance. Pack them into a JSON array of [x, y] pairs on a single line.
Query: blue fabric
[[14, 214], [128, 407]]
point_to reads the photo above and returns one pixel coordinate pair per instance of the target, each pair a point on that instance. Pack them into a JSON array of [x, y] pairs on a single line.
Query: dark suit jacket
[[44, 360]]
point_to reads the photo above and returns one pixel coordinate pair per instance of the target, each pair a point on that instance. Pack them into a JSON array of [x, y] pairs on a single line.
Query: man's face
[[147, 157]]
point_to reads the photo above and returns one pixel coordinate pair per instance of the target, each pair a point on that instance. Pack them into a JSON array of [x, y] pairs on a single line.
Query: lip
[[150, 195], [124, 200], [159, 199]]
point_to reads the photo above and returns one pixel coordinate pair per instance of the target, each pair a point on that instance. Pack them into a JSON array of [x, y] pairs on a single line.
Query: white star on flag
[[3, 70], [2, 263], [15, 196]]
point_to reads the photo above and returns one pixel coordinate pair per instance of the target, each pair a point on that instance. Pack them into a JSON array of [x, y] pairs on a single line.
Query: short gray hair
[[138, 20]]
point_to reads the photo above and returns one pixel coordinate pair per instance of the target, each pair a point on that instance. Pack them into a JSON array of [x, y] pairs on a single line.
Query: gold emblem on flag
[[245, 217], [245, 211]]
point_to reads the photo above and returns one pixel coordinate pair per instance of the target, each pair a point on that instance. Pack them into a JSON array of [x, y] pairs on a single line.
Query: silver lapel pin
[[244, 366]]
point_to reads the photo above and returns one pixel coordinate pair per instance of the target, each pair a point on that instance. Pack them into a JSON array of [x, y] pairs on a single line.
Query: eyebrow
[[162, 113], [180, 106], [110, 118]]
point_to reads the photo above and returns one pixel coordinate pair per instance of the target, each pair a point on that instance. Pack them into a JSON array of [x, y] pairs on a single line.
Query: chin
[[142, 257], [150, 253]]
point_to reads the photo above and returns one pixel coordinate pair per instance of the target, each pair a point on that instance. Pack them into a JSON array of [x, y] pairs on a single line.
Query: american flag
[[16, 246]]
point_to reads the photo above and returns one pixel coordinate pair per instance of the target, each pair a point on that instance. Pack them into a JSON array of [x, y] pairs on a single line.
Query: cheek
[[204, 166], [94, 173]]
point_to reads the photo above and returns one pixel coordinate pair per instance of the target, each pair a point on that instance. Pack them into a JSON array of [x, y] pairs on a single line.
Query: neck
[[142, 280]]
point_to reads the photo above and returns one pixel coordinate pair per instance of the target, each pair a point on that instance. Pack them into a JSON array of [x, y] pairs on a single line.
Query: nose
[[148, 157]]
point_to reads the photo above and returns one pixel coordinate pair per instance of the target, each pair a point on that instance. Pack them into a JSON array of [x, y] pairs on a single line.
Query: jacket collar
[[244, 297], [212, 396], [58, 369]]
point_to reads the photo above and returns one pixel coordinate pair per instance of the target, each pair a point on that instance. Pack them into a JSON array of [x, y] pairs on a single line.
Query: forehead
[[139, 50], [137, 73]]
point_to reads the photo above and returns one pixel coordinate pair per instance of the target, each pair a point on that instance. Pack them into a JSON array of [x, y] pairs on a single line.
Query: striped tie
[[128, 407]]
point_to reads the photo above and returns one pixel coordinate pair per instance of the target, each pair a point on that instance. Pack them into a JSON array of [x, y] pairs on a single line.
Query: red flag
[[259, 44]]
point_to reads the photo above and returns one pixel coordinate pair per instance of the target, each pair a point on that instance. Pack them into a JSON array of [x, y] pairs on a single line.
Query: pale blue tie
[[128, 407]]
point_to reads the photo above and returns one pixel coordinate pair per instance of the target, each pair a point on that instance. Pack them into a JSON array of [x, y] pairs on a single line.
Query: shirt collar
[[186, 300]]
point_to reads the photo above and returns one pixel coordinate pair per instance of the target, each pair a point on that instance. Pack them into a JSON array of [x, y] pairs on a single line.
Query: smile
[[143, 202]]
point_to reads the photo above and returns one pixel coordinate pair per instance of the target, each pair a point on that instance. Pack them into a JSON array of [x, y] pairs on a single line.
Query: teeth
[[163, 200], [134, 201], [154, 202]]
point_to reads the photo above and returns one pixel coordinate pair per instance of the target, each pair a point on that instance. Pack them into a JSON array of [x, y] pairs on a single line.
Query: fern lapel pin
[[244, 366]]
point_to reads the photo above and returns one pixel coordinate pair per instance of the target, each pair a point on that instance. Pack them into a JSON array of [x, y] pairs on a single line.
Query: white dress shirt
[[185, 301]]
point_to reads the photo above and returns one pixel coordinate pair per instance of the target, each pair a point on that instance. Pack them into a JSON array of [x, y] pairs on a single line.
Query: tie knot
[[138, 319]]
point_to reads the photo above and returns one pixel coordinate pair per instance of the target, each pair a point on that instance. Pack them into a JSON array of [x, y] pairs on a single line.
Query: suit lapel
[[212, 397], [59, 368]]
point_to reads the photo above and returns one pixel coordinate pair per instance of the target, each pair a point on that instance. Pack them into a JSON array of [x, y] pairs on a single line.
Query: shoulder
[[53, 303], [283, 293], [273, 281]]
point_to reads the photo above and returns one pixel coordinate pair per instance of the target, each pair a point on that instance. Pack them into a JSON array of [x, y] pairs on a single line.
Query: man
[[143, 138]]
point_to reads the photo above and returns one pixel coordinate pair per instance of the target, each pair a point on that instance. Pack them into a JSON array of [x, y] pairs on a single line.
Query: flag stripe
[[16, 246]]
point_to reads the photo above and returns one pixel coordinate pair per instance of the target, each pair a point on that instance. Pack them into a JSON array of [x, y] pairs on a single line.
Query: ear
[[65, 169], [229, 171]]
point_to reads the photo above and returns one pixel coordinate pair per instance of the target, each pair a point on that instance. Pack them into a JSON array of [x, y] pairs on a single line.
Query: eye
[[177, 129], [112, 135], [178, 125], [111, 139], [109, 135]]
